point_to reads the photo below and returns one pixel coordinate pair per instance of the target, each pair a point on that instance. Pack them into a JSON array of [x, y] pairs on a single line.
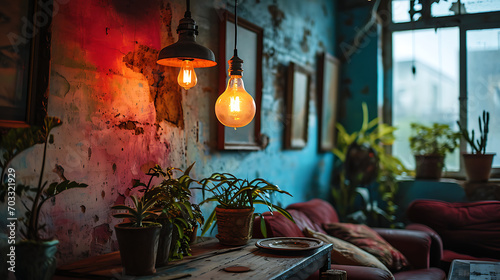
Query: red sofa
[[460, 230], [415, 245]]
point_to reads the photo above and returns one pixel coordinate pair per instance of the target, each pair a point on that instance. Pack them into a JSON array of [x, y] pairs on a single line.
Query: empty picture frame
[[25, 56], [297, 106], [250, 42], [327, 88]]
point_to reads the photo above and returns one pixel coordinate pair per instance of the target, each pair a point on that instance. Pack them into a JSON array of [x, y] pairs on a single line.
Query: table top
[[474, 270], [208, 260]]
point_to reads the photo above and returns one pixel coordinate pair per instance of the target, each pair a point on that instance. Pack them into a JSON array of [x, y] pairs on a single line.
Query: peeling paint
[[305, 40], [120, 199], [131, 125], [163, 86], [101, 236], [119, 107], [59, 86], [166, 20], [277, 15]]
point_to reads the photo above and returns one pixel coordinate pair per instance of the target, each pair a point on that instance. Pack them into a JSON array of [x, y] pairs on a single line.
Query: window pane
[[448, 8], [400, 10], [480, 6], [483, 84], [442, 8], [431, 93]]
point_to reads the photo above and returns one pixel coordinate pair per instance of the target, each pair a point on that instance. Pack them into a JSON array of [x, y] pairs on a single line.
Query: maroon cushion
[[302, 221], [370, 241], [277, 226], [318, 211], [465, 227]]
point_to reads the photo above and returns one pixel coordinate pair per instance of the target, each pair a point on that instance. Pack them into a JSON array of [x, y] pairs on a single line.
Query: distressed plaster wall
[[122, 112]]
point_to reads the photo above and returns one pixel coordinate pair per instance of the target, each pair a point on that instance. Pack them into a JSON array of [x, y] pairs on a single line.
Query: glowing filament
[[187, 77]]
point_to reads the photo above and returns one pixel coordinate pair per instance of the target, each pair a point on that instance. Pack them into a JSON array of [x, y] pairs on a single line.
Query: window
[[425, 75], [401, 9], [445, 67], [483, 84]]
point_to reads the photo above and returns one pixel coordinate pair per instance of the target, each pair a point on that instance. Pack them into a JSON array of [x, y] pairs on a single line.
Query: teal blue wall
[[359, 75], [409, 190], [294, 31]]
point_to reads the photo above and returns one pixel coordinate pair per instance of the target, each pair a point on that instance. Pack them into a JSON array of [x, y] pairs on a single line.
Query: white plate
[[289, 243]]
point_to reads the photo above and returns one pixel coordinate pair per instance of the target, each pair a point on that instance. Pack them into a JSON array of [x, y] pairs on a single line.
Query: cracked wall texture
[[122, 113]]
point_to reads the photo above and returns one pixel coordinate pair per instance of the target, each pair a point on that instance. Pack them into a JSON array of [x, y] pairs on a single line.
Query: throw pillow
[[346, 253], [370, 241]]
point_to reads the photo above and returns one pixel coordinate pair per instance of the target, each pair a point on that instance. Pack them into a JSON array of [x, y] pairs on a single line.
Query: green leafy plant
[[13, 143], [142, 208], [177, 208], [231, 192], [477, 146], [437, 139], [375, 137]]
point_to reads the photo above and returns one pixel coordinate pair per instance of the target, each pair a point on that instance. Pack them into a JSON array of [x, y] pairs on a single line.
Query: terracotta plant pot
[[234, 225], [477, 166], [36, 260], [164, 242], [429, 167], [138, 247]]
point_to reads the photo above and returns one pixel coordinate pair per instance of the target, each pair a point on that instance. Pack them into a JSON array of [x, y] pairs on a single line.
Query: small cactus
[[478, 146]]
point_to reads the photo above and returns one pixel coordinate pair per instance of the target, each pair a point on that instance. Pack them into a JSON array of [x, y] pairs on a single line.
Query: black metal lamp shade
[[186, 47]]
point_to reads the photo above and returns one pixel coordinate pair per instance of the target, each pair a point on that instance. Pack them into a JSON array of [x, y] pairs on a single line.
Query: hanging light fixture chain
[[235, 27]]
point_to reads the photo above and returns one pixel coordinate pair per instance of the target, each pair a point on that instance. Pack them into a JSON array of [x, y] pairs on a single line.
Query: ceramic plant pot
[[164, 242], [234, 225], [428, 167], [36, 260], [138, 247], [477, 166]]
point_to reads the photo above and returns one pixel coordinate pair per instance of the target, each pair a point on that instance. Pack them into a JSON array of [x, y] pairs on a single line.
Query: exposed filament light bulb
[[187, 77], [235, 107]]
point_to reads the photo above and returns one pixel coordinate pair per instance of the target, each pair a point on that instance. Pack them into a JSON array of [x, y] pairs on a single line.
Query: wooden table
[[474, 270], [208, 260]]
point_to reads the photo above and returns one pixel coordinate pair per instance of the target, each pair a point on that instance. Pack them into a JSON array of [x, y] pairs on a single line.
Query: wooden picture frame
[[297, 106], [250, 43], [327, 89], [24, 77]]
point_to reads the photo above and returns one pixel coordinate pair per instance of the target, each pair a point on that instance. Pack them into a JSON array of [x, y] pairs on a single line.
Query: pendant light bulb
[[187, 77], [235, 107]]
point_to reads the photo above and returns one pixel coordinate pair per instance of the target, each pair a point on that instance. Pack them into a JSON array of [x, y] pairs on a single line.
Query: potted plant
[[176, 212], [478, 163], [138, 238], [430, 145], [35, 255], [234, 213], [363, 159]]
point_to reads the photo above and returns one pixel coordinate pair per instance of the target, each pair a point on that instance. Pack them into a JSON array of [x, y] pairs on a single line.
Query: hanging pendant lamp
[[186, 53], [235, 107]]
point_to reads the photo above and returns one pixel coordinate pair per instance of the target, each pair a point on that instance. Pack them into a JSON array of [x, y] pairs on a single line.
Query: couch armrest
[[415, 245], [436, 245]]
